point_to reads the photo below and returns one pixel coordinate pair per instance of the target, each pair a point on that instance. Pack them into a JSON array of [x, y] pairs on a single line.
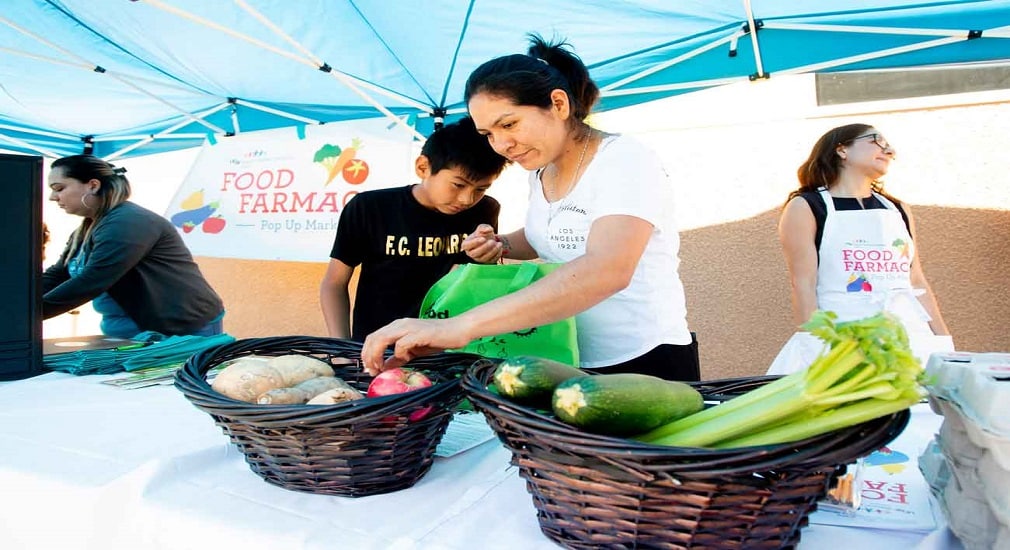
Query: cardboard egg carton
[[970, 518], [968, 464], [978, 385]]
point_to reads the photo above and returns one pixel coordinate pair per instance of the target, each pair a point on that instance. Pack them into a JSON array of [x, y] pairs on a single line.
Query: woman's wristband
[[506, 246]]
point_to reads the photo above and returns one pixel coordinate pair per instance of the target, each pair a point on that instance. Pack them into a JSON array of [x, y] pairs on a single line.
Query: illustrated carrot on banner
[[333, 158]]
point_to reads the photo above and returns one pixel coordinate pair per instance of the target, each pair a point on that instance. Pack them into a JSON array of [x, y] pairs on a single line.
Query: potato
[[336, 395], [246, 379], [301, 393], [298, 368]]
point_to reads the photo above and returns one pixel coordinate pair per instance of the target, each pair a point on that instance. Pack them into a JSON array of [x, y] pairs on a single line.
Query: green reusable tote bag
[[471, 285]]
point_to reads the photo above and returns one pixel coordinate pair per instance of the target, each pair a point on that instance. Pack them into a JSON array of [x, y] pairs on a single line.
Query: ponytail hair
[[113, 191], [529, 79]]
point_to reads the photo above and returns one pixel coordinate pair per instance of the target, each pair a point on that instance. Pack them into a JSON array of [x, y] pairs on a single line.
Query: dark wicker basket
[[357, 448], [594, 491]]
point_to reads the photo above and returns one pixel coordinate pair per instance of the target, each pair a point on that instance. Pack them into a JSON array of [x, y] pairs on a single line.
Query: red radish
[[394, 381]]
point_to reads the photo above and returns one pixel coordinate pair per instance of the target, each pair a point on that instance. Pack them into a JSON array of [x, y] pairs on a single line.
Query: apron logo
[[858, 283], [902, 247]]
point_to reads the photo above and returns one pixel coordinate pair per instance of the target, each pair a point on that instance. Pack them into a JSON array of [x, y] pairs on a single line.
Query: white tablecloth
[[85, 465]]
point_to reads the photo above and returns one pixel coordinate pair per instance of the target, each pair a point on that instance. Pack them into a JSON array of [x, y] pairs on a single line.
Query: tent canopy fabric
[[130, 77]]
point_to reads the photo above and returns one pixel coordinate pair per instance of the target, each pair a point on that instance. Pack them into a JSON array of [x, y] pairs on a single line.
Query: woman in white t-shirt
[[850, 247], [599, 203]]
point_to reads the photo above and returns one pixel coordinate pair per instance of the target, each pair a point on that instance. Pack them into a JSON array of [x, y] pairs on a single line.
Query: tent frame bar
[[277, 112], [103, 71], [947, 37], [27, 145], [352, 83], [752, 29], [164, 132]]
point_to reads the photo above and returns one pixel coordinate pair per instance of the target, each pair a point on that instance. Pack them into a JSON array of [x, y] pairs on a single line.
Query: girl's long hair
[[822, 167]]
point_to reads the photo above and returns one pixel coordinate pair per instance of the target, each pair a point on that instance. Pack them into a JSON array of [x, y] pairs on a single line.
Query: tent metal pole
[[309, 61], [38, 132], [235, 128], [671, 62], [752, 25], [26, 145], [868, 30], [101, 70], [90, 68], [678, 86], [873, 55], [326, 67], [804, 69], [162, 133], [125, 137], [277, 112]]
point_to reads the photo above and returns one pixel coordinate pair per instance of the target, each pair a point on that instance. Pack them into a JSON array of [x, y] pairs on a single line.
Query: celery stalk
[[834, 419], [867, 365]]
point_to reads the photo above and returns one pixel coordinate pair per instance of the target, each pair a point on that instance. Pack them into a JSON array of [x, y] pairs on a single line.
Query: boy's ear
[[422, 167]]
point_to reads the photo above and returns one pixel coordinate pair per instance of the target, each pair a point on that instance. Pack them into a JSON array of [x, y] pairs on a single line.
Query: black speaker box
[[20, 266]]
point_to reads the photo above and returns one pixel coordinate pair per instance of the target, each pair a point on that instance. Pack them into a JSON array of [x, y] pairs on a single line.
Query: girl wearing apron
[[855, 262]]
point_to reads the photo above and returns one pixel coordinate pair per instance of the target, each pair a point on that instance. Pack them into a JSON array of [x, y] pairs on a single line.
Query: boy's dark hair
[[458, 145]]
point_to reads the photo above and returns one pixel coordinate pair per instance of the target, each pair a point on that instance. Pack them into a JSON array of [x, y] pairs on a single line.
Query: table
[[85, 465]]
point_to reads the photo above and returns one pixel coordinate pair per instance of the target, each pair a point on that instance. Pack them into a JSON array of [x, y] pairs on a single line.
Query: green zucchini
[[532, 380], [623, 404]]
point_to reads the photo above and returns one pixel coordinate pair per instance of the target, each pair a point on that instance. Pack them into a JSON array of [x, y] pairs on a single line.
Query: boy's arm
[[335, 300]]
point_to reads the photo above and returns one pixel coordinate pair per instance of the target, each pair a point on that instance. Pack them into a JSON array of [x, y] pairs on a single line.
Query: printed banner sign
[[278, 194]]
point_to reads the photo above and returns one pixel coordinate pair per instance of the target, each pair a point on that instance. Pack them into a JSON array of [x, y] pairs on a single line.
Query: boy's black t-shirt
[[403, 248]]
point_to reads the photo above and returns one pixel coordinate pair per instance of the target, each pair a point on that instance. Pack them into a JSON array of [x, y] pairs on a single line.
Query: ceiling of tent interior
[[131, 77]]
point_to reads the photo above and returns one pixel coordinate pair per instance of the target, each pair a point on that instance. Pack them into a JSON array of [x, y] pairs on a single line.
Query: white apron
[[865, 267]]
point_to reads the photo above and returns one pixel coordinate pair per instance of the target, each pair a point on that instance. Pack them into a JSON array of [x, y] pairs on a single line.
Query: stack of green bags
[[151, 349]]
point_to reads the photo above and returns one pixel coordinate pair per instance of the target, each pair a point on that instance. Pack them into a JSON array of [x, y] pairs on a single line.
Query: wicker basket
[[357, 448], [594, 491]]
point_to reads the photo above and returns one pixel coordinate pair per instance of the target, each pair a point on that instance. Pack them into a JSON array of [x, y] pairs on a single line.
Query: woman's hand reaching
[[410, 338], [483, 246]]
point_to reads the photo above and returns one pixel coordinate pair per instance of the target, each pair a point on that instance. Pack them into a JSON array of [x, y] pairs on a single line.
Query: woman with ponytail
[[600, 204], [128, 261]]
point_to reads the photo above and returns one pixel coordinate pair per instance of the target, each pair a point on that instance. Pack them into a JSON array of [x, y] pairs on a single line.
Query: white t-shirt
[[624, 178]]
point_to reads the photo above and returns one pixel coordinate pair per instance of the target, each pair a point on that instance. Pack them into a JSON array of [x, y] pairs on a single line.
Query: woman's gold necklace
[[575, 177]]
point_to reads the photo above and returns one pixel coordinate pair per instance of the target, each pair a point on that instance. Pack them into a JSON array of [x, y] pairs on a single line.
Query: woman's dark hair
[[529, 79], [459, 146], [823, 166], [113, 191]]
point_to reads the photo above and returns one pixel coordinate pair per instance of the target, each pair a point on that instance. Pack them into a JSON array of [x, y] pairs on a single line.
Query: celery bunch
[[866, 372]]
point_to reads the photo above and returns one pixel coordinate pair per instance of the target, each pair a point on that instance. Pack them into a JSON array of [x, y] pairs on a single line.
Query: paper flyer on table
[[466, 431], [894, 494]]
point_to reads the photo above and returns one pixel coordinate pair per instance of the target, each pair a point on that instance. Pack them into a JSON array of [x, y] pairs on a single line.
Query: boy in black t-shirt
[[406, 238]]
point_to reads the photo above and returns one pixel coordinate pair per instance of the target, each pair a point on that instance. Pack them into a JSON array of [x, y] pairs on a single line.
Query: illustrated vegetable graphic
[[213, 224], [333, 158], [867, 372], [193, 201], [355, 172], [901, 244], [195, 216]]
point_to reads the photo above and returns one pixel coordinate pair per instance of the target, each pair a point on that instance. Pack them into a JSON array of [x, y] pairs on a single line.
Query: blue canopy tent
[[130, 77]]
